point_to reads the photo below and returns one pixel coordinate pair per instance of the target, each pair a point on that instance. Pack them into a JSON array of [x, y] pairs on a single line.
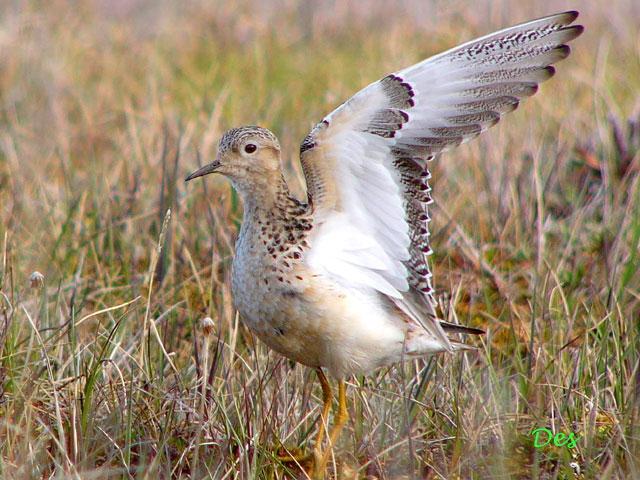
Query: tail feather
[[455, 328], [457, 346]]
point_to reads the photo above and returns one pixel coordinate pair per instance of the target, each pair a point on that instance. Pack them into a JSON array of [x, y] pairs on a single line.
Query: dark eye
[[250, 148]]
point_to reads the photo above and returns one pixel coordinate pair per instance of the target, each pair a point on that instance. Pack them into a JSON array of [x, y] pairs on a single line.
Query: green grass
[[105, 370]]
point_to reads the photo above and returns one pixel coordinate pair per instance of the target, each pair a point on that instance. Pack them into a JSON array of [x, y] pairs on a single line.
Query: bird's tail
[[455, 328]]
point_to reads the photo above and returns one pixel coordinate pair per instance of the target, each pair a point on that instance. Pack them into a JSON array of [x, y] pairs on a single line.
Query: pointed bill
[[206, 170]]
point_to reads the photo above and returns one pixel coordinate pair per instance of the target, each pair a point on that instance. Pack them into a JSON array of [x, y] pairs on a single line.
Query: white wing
[[365, 163]]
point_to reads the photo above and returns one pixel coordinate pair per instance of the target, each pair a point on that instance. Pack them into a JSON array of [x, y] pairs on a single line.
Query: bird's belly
[[322, 325]]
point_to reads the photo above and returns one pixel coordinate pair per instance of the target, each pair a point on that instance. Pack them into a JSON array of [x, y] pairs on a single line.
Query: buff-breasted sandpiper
[[341, 282]]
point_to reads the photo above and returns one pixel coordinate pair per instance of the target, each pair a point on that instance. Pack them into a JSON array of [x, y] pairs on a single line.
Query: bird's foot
[[316, 470], [297, 456], [307, 461], [291, 454]]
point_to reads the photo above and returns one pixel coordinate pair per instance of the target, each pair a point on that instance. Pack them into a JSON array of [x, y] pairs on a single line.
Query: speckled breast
[[269, 284]]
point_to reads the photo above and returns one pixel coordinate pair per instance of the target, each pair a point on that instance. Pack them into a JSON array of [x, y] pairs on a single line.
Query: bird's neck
[[267, 198]]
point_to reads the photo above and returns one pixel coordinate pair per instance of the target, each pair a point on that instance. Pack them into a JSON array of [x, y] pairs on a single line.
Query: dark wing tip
[[574, 32], [563, 50], [551, 71], [572, 15]]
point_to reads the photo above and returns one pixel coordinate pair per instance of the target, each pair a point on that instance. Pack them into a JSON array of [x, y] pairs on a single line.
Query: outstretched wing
[[366, 162]]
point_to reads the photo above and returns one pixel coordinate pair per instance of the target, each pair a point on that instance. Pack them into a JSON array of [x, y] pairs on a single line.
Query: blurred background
[[105, 106], [93, 91]]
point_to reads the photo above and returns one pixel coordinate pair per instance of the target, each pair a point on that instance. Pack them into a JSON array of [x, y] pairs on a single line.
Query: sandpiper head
[[245, 154]]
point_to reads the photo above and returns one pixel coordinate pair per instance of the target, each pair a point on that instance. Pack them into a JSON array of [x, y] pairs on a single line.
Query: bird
[[341, 282]]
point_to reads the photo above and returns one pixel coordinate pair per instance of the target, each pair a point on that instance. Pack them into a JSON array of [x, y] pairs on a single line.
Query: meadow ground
[[105, 370]]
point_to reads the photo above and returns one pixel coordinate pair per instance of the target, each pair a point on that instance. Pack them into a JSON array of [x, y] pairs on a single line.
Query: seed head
[[207, 326], [36, 280]]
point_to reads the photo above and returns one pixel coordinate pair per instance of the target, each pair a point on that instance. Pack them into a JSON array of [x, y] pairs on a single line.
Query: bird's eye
[[250, 148]]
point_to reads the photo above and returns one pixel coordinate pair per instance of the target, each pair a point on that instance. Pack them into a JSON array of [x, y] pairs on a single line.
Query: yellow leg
[[341, 418], [284, 455], [327, 395]]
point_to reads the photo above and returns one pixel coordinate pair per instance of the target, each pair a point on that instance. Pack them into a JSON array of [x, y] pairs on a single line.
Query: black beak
[[206, 170]]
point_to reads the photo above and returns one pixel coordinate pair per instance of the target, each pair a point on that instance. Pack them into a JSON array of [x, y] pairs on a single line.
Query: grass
[[106, 367]]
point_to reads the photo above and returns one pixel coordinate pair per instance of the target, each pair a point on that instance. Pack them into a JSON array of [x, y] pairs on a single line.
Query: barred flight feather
[[397, 125]]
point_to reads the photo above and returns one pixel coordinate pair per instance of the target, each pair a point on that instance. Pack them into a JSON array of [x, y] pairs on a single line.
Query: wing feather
[[366, 162]]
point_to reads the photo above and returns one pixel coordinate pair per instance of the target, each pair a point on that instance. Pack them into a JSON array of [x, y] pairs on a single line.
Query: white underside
[[367, 334]]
